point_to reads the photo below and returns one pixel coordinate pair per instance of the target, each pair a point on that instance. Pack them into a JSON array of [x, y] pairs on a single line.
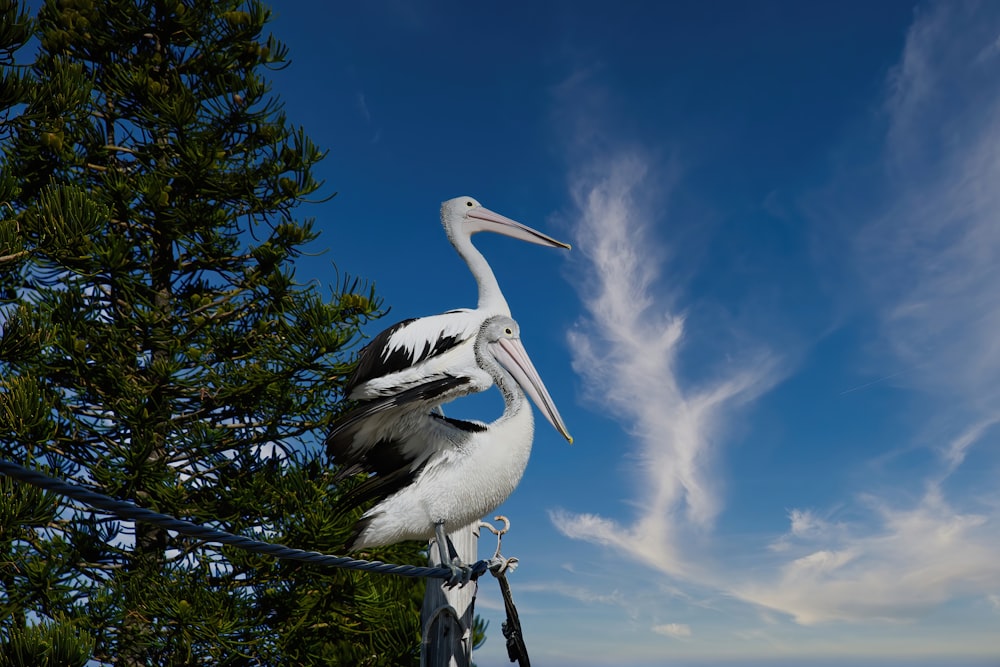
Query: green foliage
[[46, 645], [155, 344]]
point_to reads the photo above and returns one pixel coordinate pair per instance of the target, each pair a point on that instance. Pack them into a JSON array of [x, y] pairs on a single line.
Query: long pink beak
[[512, 356], [488, 221]]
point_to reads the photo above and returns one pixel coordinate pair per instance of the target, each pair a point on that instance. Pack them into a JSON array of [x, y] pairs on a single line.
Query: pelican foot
[[460, 573]]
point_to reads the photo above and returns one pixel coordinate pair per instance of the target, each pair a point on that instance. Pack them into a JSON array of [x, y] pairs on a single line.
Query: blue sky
[[774, 339]]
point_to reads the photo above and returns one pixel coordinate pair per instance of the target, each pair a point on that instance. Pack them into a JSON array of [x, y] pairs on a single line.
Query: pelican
[[432, 474], [415, 351]]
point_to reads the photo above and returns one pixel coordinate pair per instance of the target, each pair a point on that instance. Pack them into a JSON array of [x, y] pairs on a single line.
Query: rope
[[128, 510]]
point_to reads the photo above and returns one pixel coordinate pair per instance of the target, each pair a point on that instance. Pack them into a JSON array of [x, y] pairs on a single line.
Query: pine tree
[[156, 345]]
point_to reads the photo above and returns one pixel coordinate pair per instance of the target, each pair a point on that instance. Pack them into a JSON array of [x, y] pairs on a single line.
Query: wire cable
[[129, 510]]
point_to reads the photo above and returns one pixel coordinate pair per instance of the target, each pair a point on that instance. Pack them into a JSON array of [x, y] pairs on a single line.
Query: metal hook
[[496, 531], [499, 564]]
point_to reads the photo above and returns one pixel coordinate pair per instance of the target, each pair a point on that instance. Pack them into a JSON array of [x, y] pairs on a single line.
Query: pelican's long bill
[[501, 224], [512, 356]]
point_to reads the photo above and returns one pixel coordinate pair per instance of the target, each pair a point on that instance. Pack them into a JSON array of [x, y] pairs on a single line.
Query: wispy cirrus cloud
[[927, 254], [361, 104], [930, 252], [675, 630], [924, 249], [914, 558], [579, 593], [627, 348]]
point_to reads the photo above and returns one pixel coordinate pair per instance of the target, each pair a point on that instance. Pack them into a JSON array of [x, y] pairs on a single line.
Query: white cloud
[[578, 593], [588, 527], [362, 106], [930, 255], [676, 630], [955, 450], [626, 349], [913, 559], [364, 112], [927, 250], [804, 522]]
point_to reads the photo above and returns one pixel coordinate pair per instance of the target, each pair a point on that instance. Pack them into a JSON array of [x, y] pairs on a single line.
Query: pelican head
[[464, 216], [500, 338]]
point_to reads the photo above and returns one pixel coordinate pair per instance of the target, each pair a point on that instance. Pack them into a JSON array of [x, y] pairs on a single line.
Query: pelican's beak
[[486, 220], [512, 356]]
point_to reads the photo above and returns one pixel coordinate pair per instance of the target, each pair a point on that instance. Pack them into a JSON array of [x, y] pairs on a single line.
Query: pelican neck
[[491, 299]]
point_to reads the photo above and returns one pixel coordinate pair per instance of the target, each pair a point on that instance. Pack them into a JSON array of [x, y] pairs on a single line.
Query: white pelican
[[415, 351], [432, 474]]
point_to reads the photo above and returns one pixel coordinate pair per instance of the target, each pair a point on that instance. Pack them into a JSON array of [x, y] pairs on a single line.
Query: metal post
[[447, 616]]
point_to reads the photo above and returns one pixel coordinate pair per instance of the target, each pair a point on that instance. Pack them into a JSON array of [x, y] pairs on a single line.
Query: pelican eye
[[508, 331], [469, 204]]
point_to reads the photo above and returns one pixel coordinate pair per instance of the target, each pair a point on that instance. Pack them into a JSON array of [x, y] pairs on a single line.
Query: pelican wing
[[341, 441], [396, 358], [380, 486]]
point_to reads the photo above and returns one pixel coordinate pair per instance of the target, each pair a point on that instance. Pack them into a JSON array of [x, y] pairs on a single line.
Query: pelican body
[[415, 351], [432, 474]]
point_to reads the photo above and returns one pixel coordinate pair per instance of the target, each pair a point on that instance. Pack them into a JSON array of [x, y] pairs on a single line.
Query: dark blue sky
[[773, 338]]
